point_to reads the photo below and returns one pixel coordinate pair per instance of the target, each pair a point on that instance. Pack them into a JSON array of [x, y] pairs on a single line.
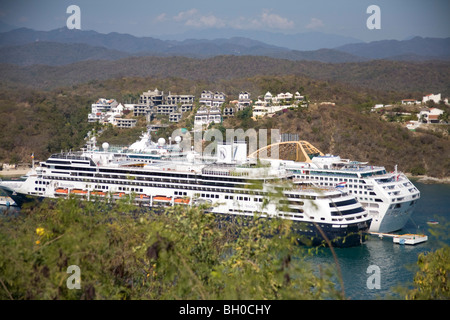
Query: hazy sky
[[399, 18]]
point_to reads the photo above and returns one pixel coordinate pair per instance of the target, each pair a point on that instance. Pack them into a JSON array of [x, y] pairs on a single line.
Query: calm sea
[[397, 263]]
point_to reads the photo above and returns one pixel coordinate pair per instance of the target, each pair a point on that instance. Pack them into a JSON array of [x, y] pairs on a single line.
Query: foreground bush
[[126, 252]]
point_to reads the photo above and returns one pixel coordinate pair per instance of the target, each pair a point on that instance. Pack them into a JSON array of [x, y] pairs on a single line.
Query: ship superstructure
[[230, 186], [388, 197]]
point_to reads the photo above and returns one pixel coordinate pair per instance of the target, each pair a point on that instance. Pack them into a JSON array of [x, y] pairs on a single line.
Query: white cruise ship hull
[[389, 198], [319, 215]]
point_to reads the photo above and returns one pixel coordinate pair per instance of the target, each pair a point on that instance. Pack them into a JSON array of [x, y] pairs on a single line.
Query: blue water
[[397, 263]]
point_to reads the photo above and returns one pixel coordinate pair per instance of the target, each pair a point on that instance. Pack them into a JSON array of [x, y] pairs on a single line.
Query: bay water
[[397, 263]]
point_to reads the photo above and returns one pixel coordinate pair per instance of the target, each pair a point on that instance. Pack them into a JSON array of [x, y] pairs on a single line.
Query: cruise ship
[[388, 197], [231, 185]]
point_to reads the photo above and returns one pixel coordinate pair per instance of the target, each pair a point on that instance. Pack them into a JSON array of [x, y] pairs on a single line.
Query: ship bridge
[[299, 151]]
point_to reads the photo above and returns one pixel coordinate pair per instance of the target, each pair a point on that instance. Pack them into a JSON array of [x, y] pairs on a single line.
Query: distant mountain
[[4, 27], [55, 54], [417, 48], [62, 46], [113, 40], [299, 41]]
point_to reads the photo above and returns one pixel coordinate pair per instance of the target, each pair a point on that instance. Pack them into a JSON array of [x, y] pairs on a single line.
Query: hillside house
[[244, 100], [212, 99], [429, 115], [152, 98], [205, 115], [125, 123], [103, 108], [432, 97], [410, 102]]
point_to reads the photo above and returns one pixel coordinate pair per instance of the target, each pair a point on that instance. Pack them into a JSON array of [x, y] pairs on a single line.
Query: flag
[[341, 184]]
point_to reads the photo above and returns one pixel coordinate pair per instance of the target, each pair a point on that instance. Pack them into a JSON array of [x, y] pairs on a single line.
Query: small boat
[[410, 239], [432, 222]]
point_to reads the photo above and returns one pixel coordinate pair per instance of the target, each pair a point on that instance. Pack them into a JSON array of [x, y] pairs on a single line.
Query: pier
[[409, 238]]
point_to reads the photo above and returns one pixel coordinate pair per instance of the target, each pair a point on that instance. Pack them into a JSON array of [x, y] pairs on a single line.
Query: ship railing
[[70, 156]]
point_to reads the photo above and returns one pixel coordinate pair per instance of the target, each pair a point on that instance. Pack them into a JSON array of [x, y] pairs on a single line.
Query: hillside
[[345, 131], [55, 54], [412, 77], [425, 48], [42, 122]]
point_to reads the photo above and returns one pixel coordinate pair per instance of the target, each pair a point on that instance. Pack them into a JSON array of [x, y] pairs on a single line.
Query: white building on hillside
[[244, 100], [429, 115], [432, 97], [210, 99], [205, 115], [101, 108]]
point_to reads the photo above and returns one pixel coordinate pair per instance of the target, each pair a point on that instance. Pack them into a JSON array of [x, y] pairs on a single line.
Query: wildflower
[[37, 241], [40, 231]]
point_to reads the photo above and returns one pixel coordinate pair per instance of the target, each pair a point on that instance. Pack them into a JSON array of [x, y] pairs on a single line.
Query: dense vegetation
[[126, 252], [413, 77]]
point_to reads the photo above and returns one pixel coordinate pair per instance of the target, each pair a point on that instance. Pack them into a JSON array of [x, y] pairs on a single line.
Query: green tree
[[432, 281], [127, 252]]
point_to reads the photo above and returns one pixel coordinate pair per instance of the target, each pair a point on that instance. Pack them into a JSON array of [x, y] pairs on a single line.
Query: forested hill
[[421, 77], [43, 122]]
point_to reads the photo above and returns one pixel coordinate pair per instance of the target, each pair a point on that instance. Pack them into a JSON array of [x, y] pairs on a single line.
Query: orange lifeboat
[[98, 193], [181, 201], [161, 198], [78, 191], [61, 191]]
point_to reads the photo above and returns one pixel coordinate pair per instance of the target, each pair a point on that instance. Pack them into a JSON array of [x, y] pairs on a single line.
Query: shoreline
[[14, 172], [428, 179]]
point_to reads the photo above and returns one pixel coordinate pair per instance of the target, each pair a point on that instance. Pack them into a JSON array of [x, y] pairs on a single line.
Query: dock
[[409, 238]]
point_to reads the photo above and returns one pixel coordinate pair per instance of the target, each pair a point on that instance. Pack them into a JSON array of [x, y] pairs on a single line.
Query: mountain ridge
[[123, 45]]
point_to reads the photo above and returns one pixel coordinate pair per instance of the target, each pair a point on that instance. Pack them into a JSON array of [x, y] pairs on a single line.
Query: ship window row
[[130, 189], [124, 180], [299, 196], [186, 186], [41, 182], [342, 203], [333, 173], [70, 168], [347, 212], [167, 173], [332, 179], [362, 192]]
